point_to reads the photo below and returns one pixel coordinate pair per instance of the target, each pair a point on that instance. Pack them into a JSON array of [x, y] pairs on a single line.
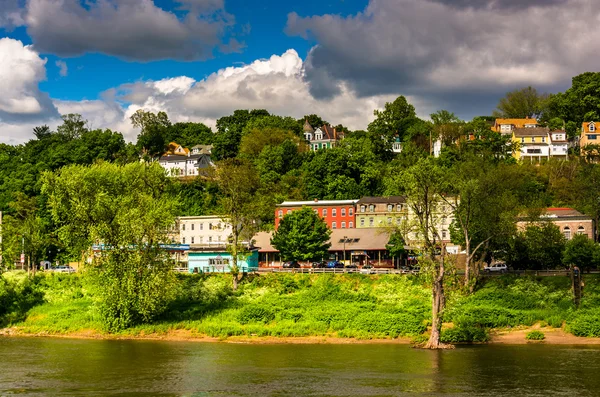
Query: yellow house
[[506, 126], [589, 135], [534, 143], [380, 211]]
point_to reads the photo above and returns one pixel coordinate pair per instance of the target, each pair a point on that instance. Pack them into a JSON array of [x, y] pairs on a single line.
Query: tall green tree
[[582, 252], [424, 185], [302, 235], [152, 139], [126, 209], [394, 119], [238, 184], [522, 103]]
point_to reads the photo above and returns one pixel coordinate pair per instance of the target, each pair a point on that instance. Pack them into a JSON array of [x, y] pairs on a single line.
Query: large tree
[[238, 184], [582, 252], [424, 185], [522, 103], [302, 235], [394, 119], [126, 210]]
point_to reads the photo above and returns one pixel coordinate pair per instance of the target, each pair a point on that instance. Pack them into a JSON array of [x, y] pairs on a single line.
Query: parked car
[[497, 267], [291, 265], [319, 265], [63, 269], [368, 269], [335, 265], [352, 266]]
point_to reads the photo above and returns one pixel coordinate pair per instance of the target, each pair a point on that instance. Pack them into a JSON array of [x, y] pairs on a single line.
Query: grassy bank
[[301, 305]]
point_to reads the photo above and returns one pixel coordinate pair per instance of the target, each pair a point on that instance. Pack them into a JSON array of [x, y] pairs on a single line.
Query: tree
[[396, 244], [522, 103], [42, 132], [152, 139], [313, 119], [582, 252], [302, 235], [446, 127], [424, 184], [127, 211], [394, 119], [73, 126], [230, 130], [539, 246], [238, 183]]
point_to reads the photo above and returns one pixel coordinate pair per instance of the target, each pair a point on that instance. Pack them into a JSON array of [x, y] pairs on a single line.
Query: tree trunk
[[439, 303], [467, 260], [235, 281]]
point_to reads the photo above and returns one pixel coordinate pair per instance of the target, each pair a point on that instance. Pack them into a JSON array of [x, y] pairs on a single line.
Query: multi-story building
[[559, 144], [539, 143], [381, 211], [337, 214], [181, 162], [589, 136], [324, 137], [506, 126], [203, 231], [569, 221]]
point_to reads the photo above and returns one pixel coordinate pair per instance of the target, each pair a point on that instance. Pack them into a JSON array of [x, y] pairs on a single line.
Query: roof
[[317, 203], [202, 217], [173, 157], [586, 127], [364, 239], [204, 149], [535, 131], [307, 127], [382, 200], [518, 123], [562, 213]]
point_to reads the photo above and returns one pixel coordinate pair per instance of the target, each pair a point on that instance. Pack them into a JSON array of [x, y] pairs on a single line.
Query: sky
[[199, 60]]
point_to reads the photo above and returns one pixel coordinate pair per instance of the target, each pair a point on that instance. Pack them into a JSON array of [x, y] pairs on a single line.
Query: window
[[350, 211], [532, 139], [371, 208], [183, 226], [592, 127], [343, 225], [333, 225], [362, 221], [219, 238], [201, 226], [581, 230], [443, 234], [534, 151], [522, 140], [192, 225], [324, 212], [592, 137], [543, 139], [362, 208], [567, 232], [280, 214], [218, 261], [371, 222], [399, 207], [390, 208], [183, 240], [210, 225], [200, 240], [389, 220], [351, 225], [210, 239], [334, 212], [316, 212], [192, 240], [343, 212], [288, 212]]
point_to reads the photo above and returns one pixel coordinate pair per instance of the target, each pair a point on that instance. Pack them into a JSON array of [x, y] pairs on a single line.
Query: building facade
[[203, 231], [381, 211], [182, 162], [570, 222], [219, 261], [337, 214], [324, 137]]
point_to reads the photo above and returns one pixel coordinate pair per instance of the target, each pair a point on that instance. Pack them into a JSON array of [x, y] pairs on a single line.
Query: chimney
[[334, 134]]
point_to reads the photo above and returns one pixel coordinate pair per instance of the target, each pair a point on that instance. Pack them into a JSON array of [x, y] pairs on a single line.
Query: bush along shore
[[301, 305]]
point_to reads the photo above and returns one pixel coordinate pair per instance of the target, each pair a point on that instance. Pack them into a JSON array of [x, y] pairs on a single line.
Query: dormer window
[[308, 136], [592, 127], [319, 136]]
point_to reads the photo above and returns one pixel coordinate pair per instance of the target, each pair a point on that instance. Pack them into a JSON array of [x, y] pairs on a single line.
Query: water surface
[[42, 367]]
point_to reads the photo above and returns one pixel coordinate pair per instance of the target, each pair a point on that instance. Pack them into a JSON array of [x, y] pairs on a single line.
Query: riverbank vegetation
[[300, 305]]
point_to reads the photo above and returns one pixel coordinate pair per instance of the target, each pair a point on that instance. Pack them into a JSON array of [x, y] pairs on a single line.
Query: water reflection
[[80, 367]]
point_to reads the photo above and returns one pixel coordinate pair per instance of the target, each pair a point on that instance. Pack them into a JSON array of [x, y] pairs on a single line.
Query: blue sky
[[199, 60], [93, 73]]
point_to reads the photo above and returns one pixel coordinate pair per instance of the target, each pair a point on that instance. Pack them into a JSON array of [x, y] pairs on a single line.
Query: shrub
[[585, 324], [535, 335], [464, 334], [255, 313]]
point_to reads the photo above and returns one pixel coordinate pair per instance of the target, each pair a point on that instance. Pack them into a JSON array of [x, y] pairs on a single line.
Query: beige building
[[569, 221], [203, 231]]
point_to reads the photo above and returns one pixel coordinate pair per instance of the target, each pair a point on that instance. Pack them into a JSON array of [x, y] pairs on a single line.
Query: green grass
[[293, 305]]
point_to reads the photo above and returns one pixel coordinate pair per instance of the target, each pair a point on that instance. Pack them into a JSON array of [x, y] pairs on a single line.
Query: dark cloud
[[129, 29], [446, 55], [500, 4]]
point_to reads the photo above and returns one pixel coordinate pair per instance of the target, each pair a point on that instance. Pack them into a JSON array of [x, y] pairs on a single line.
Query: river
[[70, 367]]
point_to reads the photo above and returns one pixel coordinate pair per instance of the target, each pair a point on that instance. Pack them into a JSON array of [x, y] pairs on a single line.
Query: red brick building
[[337, 214], [569, 221]]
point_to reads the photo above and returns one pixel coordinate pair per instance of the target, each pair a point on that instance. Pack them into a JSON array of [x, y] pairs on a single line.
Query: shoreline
[[554, 336]]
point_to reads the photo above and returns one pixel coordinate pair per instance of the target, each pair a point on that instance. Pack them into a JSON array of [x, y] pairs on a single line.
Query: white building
[[203, 231], [324, 137], [181, 162]]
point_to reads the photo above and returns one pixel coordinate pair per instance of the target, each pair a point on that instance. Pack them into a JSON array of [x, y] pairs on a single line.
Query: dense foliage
[[302, 235]]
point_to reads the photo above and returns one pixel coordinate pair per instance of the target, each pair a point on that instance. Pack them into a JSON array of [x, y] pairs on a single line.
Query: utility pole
[[345, 238]]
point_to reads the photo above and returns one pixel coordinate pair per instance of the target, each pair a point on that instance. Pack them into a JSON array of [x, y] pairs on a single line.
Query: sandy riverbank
[[554, 336]]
